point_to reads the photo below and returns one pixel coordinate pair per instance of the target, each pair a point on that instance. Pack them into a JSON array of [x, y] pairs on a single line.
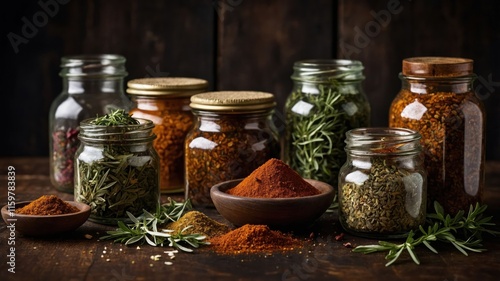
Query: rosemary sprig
[[116, 118], [463, 232], [315, 140], [147, 228]]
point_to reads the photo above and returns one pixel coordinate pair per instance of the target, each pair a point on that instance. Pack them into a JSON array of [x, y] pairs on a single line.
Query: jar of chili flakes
[[165, 101], [437, 100], [233, 135]]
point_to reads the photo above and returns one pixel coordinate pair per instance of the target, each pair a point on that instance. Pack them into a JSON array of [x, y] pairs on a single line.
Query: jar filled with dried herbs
[[165, 101], [92, 85], [437, 100], [382, 185], [117, 167], [327, 100], [233, 135]]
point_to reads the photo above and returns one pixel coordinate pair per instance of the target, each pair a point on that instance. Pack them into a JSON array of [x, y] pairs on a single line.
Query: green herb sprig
[[147, 228], [116, 118], [463, 232], [315, 140]]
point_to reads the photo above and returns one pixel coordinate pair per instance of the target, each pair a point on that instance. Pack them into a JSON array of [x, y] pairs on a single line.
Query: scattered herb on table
[[148, 228], [463, 232]]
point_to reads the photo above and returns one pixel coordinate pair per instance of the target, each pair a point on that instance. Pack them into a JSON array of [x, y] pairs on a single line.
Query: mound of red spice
[[254, 239], [273, 179], [47, 205]]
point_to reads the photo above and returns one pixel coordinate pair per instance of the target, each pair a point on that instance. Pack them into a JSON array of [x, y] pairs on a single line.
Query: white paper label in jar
[[414, 110]]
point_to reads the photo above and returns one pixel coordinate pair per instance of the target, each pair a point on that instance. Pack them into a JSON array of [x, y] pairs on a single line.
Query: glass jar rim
[[93, 66], [142, 132], [318, 70], [382, 141]]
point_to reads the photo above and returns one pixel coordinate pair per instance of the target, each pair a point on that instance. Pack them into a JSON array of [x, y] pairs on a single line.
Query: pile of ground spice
[[47, 205], [200, 224], [274, 179], [254, 239]]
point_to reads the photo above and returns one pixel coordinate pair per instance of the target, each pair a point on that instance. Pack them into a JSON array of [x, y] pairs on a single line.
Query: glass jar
[[327, 100], [165, 101], [117, 170], [92, 85], [382, 185], [233, 134], [437, 100]]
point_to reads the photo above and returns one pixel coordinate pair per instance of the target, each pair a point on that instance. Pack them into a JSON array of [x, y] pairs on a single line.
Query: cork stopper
[[437, 67], [233, 101], [166, 86]]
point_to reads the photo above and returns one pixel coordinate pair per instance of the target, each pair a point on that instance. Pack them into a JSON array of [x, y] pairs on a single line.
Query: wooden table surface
[[76, 257]]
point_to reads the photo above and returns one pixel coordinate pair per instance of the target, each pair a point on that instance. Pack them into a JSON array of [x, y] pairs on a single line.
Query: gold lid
[[233, 101], [166, 86], [437, 67]]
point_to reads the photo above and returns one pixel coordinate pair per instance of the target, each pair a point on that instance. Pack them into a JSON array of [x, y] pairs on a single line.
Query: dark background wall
[[237, 45]]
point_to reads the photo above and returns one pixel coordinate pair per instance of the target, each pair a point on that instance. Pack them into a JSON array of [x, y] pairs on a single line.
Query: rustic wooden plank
[[77, 257], [381, 33], [258, 42]]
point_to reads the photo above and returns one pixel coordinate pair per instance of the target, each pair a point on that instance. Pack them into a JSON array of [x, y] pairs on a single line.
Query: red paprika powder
[[254, 239], [274, 179]]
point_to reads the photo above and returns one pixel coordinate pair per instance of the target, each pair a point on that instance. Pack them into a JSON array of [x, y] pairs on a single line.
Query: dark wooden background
[[239, 45]]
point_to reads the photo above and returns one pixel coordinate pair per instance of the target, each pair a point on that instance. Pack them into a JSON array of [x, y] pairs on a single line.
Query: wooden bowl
[[275, 212], [44, 225]]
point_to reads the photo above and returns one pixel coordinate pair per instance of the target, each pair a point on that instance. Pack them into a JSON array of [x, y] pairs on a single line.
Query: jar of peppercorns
[[165, 101], [437, 99], [233, 134]]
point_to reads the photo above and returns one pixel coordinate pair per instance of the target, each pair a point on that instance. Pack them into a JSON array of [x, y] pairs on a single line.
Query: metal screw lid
[[167, 86], [233, 101]]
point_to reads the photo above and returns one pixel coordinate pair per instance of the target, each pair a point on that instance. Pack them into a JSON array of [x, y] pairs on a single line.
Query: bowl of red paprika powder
[[273, 195], [47, 215]]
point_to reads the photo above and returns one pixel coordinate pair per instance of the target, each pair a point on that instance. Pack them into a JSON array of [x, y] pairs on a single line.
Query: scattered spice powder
[[200, 224], [47, 205], [274, 179], [254, 239]]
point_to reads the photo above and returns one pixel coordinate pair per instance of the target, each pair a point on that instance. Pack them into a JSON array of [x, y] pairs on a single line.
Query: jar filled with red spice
[[437, 99], [233, 134], [92, 85], [165, 101]]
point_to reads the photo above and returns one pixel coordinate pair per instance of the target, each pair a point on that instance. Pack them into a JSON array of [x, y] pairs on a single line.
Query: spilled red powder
[[274, 179], [254, 239]]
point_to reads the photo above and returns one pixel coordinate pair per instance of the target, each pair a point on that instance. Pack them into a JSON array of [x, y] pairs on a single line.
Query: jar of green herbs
[[117, 167], [383, 184], [327, 100]]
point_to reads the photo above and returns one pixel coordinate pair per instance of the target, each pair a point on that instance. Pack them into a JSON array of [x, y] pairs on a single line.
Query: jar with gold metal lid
[[233, 134], [437, 100], [165, 101]]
